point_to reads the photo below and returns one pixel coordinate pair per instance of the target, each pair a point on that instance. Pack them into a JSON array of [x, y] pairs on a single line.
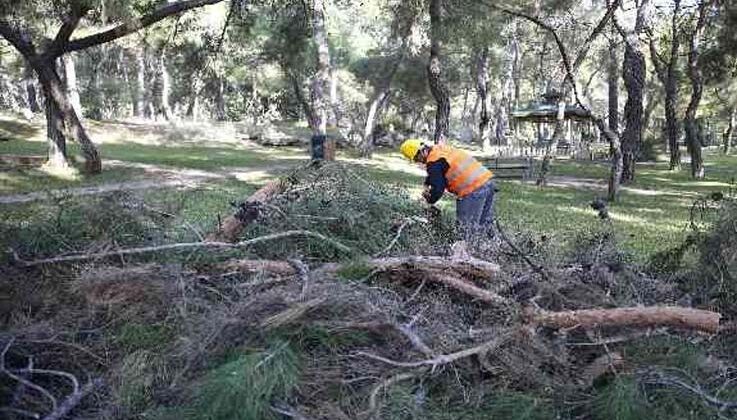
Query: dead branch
[[292, 314], [470, 266], [304, 275], [20, 412], [602, 365], [272, 267], [41, 390], [414, 339], [658, 378], [184, 245], [468, 288], [445, 358], [73, 400], [383, 386], [641, 317], [407, 222]]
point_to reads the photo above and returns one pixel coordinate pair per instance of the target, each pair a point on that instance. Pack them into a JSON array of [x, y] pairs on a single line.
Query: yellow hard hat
[[410, 147]]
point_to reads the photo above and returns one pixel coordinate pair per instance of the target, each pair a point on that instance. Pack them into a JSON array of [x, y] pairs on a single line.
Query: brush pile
[[374, 315]]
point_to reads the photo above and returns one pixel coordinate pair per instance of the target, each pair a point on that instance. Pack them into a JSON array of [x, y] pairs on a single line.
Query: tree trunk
[[434, 74], [482, 87], [163, 88], [54, 89], [634, 81], [337, 114], [693, 142], [220, 112], [634, 73], [672, 126], [57, 150], [613, 82], [70, 80], [139, 99], [380, 100], [730, 131], [377, 103], [321, 79], [506, 91], [30, 87]]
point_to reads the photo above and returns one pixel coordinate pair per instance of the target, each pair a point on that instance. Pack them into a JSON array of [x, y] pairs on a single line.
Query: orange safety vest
[[465, 174]]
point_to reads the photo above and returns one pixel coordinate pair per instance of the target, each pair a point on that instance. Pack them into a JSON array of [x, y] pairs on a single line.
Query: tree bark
[[321, 80], [54, 89], [139, 99], [30, 88], [57, 148], [693, 143], [641, 317], [634, 73], [730, 131], [435, 72], [70, 80], [381, 98], [163, 88], [669, 77], [220, 112], [482, 87], [231, 228], [613, 82]]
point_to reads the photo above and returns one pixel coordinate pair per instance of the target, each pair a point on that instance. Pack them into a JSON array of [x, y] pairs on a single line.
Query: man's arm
[[436, 180]]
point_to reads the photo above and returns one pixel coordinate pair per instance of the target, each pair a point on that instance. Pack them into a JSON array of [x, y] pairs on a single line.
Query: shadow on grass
[[13, 129]]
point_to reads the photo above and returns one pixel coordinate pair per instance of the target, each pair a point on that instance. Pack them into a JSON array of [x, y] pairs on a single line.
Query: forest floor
[[205, 167]]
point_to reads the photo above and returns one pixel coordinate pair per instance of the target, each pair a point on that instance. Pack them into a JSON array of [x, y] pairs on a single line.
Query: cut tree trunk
[[435, 72], [231, 228], [639, 317]]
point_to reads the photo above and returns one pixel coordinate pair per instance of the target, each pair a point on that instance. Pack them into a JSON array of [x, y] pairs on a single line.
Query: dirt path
[[160, 177]]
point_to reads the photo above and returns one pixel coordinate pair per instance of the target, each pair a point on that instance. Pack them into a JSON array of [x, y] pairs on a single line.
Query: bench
[[506, 168]]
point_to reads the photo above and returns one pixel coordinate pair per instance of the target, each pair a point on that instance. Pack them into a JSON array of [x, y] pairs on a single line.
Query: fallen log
[[230, 229], [471, 267], [272, 267], [449, 272], [641, 317]]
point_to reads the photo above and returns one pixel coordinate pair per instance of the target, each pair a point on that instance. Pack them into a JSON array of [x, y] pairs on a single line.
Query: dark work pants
[[475, 212]]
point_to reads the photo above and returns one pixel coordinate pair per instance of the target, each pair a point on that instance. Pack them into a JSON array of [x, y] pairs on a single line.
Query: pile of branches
[[355, 285]]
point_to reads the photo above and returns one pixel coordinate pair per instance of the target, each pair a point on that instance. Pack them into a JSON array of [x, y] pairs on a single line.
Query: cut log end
[[639, 317]]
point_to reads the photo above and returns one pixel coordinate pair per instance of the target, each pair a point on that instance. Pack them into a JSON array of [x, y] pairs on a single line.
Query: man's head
[[415, 150]]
